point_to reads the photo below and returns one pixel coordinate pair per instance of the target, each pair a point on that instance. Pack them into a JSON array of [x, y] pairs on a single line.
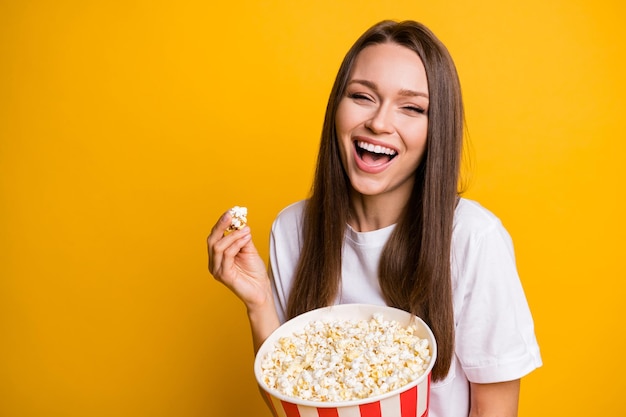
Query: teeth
[[376, 148]]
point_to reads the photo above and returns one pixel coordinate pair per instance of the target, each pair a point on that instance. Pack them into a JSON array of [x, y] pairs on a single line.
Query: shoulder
[[287, 226], [477, 230], [471, 213], [472, 219], [290, 216]]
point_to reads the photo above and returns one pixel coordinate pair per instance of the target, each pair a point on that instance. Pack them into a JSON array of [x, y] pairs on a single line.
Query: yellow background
[[128, 127]]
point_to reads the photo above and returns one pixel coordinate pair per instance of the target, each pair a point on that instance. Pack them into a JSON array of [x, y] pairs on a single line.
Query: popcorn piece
[[346, 360], [239, 218]]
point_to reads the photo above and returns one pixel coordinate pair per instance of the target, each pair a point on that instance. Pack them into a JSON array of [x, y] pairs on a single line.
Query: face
[[382, 121]]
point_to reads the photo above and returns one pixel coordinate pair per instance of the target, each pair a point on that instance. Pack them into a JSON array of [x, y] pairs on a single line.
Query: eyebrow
[[403, 92]]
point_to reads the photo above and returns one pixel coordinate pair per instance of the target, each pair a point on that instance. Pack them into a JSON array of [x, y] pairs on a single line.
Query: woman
[[385, 225]]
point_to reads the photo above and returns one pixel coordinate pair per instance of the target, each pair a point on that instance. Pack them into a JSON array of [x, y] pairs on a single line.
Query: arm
[[494, 400], [235, 262]]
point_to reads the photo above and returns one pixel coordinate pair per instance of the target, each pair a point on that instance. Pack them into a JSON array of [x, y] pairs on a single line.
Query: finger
[[230, 253], [249, 246], [217, 232], [223, 252], [215, 260]]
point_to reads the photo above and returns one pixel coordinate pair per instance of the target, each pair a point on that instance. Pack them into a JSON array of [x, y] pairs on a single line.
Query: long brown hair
[[414, 270]]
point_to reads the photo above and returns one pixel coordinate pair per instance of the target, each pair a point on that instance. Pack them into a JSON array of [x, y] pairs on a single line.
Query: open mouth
[[374, 155]]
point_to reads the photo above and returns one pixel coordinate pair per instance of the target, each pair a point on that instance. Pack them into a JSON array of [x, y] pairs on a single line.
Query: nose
[[380, 120]]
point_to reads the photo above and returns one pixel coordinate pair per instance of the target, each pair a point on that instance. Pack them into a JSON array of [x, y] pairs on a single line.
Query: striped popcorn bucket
[[410, 400]]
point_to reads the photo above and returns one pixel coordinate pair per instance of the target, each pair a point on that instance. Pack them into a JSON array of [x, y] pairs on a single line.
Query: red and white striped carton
[[411, 400]]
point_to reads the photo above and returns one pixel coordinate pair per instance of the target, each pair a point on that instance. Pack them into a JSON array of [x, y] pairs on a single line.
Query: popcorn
[[344, 360], [239, 218]]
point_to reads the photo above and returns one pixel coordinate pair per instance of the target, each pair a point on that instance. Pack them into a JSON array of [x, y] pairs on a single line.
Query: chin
[[369, 190]]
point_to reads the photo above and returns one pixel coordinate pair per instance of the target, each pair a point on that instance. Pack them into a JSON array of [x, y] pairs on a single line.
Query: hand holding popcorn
[[234, 260]]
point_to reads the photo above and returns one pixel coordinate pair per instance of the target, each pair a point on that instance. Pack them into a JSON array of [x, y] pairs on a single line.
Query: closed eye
[[415, 109], [359, 96]]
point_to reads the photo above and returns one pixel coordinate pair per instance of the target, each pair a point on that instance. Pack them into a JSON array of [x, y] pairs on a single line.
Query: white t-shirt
[[494, 331]]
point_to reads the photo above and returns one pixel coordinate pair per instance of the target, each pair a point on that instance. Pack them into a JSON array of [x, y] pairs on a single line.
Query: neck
[[374, 212]]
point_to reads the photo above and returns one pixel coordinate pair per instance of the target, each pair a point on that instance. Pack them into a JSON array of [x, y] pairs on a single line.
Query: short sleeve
[[285, 245], [495, 339]]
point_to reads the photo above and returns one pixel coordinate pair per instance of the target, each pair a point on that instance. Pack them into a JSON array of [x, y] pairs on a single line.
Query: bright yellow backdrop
[[127, 127]]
